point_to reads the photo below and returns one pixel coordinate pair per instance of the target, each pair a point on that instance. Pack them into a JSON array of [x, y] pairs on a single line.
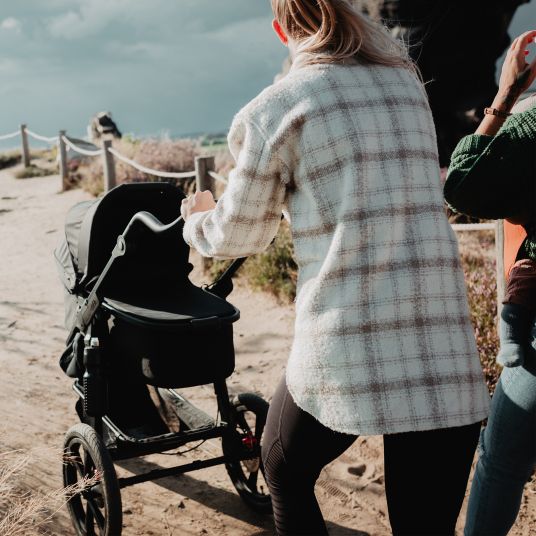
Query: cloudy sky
[[175, 66], [159, 65]]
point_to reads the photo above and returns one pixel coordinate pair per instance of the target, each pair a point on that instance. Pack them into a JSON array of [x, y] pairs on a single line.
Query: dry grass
[[34, 171], [9, 159], [478, 259], [161, 155], [25, 512], [12, 158]]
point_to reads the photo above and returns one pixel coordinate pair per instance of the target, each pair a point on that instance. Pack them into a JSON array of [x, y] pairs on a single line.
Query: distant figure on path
[[102, 125]]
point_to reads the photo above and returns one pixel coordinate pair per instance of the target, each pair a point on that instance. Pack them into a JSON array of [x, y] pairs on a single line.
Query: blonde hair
[[329, 31]]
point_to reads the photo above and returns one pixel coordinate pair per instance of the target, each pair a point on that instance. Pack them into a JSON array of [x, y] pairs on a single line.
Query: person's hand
[[517, 75], [199, 202]]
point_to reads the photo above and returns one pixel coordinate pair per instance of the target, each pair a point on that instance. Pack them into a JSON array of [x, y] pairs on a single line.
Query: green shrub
[[34, 171], [273, 271], [9, 159]]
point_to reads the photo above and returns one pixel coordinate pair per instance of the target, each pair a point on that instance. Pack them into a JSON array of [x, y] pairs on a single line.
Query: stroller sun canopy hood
[[107, 219], [92, 228]]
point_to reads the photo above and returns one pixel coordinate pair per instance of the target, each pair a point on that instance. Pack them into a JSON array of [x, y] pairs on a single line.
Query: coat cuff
[[193, 227]]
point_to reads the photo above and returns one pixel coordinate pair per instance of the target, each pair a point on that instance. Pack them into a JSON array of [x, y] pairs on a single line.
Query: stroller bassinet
[[151, 319]]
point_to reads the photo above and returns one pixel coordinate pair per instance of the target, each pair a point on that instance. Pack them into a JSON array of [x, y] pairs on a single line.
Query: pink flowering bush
[[161, 155]]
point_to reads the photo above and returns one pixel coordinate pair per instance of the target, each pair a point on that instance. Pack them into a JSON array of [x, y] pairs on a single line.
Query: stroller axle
[[171, 471]]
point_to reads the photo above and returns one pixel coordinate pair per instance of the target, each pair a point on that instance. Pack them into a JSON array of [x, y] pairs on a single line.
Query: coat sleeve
[[248, 214], [493, 177]]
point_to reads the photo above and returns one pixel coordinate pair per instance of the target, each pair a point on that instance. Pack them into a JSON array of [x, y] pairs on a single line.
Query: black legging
[[426, 473]]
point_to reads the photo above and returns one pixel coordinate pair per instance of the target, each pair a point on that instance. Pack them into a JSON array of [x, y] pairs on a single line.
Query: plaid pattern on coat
[[383, 340]]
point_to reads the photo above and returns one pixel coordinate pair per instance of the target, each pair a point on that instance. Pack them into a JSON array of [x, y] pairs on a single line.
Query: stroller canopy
[[150, 283]]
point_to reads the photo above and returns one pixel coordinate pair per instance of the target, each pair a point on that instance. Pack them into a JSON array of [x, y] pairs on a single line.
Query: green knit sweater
[[494, 177]]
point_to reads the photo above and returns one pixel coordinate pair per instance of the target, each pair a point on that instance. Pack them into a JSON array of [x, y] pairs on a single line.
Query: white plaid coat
[[383, 340]]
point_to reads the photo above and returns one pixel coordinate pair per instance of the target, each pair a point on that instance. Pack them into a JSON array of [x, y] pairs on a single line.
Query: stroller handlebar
[[151, 222]]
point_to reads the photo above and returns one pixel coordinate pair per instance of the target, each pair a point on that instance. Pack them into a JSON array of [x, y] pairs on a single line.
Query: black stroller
[[136, 320]]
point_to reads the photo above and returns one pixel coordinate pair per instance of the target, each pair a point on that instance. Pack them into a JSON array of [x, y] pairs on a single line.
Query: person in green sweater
[[478, 159], [493, 175]]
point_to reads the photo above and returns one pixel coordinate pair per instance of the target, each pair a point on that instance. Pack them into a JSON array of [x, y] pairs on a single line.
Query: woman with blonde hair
[[345, 146]]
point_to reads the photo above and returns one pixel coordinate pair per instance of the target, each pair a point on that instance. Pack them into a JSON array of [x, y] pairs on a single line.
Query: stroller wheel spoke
[[247, 475], [79, 465], [89, 466], [90, 525], [252, 480], [242, 422], [95, 512], [259, 428]]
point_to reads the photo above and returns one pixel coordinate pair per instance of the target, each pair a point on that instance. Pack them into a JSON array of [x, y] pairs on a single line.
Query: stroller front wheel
[[249, 411], [94, 497]]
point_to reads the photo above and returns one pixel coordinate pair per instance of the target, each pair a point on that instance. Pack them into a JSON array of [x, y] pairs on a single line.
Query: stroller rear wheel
[[250, 413], [94, 497]]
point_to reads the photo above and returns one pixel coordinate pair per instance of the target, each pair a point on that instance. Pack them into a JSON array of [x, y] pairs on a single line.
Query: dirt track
[[37, 404]]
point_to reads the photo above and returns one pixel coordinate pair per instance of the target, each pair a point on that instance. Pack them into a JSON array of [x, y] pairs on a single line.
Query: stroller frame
[[92, 447], [203, 427]]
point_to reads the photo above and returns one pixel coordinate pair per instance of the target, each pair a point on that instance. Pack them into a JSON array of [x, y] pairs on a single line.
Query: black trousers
[[426, 473]]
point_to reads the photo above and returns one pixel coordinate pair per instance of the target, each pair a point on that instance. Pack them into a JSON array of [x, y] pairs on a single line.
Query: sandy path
[[37, 404]]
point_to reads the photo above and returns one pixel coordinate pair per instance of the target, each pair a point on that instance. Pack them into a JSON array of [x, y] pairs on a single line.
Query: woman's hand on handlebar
[[198, 202]]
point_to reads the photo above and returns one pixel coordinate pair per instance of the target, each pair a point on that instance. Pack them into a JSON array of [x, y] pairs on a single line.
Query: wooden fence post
[[109, 166], [203, 181], [64, 171], [499, 254], [25, 148]]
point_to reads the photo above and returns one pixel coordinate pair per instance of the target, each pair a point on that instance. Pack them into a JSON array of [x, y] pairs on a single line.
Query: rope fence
[[473, 226], [53, 139], [8, 136], [218, 178], [203, 173], [80, 150], [148, 171]]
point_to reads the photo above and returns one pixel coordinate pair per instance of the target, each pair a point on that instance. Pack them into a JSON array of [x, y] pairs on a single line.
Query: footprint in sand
[[358, 469]]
